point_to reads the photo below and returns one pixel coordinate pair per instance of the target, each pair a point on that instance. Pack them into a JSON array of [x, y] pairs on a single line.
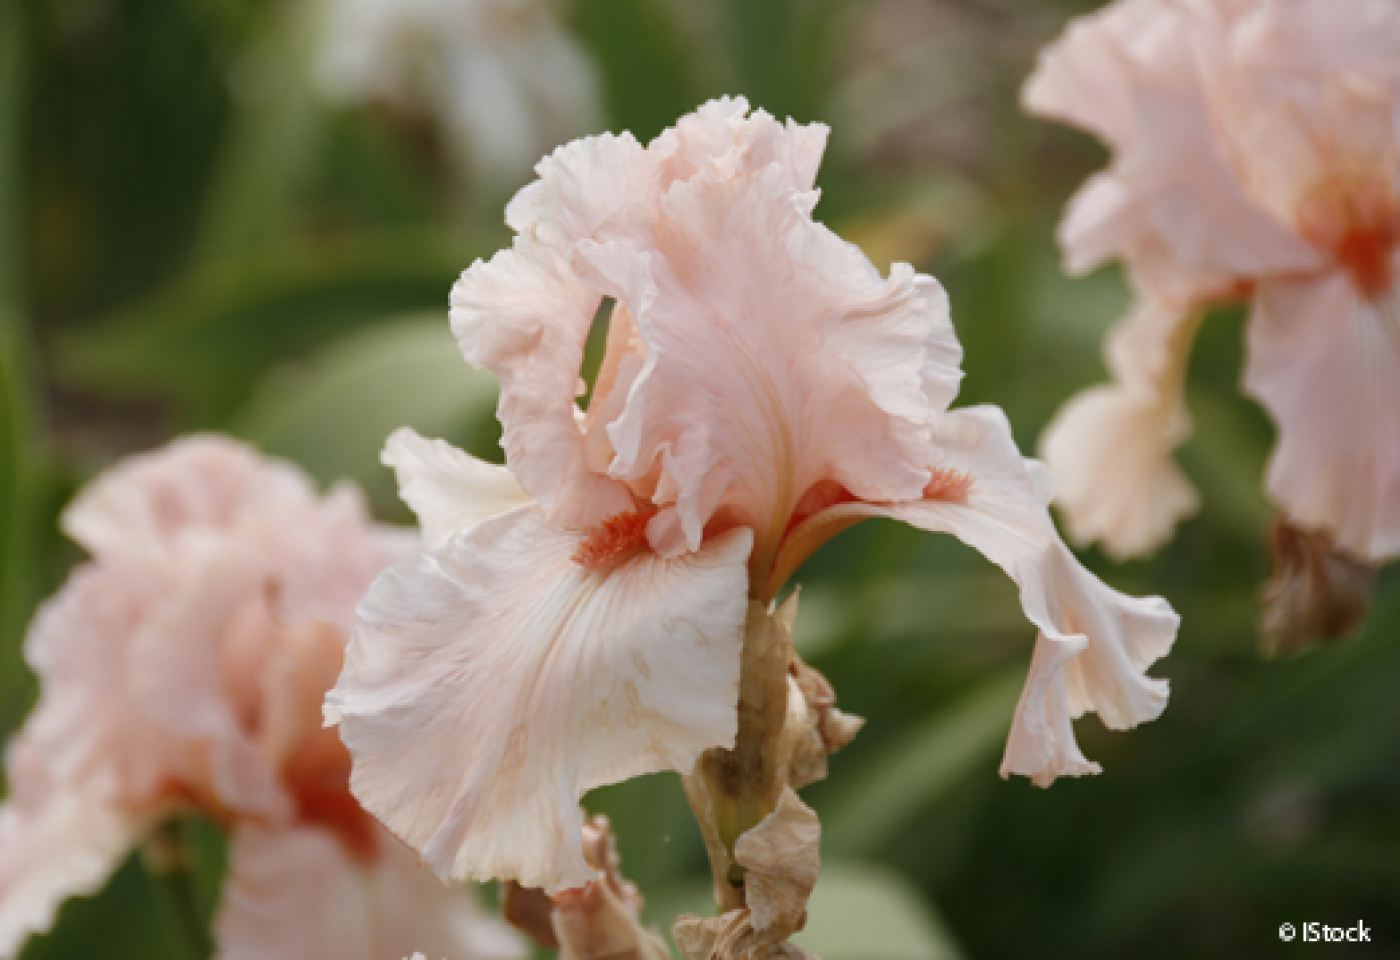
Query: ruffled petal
[[85, 725], [776, 357], [1325, 362], [449, 489], [490, 684], [1173, 202], [139, 509], [524, 315], [179, 679], [54, 844], [296, 894], [1110, 448], [1095, 644]]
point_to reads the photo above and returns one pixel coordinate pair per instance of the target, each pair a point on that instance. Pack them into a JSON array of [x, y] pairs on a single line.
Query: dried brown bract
[[1317, 591]]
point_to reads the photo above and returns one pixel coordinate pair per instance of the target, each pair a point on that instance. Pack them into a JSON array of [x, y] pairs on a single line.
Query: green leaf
[[201, 341], [861, 911], [1225, 456], [873, 802], [333, 412], [784, 51], [272, 139], [20, 459], [645, 63]]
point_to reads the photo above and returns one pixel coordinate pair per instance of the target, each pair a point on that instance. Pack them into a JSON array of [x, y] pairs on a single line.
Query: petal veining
[[492, 683]]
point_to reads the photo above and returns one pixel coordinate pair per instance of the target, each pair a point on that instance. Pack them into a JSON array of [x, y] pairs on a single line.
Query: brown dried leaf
[[782, 859], [1316, 592], [600, 920]]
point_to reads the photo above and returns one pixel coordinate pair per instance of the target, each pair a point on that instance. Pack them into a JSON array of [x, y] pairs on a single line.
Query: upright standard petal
[[524, 315], [776, 356], [1095, 644], [1173, 202], [1325, 361], [489, 685], [139, 508], [449, 489]]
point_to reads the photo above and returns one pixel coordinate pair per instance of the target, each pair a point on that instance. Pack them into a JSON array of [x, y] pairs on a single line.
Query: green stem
[[170, 861]]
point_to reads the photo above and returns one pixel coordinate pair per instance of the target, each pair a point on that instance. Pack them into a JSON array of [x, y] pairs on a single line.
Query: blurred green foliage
[[182, 251]]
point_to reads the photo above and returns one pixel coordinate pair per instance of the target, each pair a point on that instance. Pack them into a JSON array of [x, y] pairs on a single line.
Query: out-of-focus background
[[245, 215]]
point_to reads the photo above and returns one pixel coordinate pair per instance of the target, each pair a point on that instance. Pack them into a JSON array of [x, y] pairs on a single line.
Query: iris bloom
[[501, 78], [1256, 158], [182, 669], [579, 614]]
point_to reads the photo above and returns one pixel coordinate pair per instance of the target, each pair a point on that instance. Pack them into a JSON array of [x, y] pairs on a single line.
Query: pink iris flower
[[181, 670], [1255, 157], [578, 616]]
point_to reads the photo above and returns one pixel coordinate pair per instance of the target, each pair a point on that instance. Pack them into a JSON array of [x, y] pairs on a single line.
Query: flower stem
[[170, 862], [733, 790]]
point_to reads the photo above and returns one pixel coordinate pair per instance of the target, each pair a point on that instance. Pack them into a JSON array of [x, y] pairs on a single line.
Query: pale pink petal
[[1095, 644], [1307, 92], [1325, 362], [86, 727], [1175, 202], [581, 186], [776, 357], [1110, 447], [54, 844], [524, 315], [489, 685], [297, 894], [704, 239], [139, 508], [722, 138], [176, 668], [449, 489], [610, 183], [1068, 81], [320, 553]]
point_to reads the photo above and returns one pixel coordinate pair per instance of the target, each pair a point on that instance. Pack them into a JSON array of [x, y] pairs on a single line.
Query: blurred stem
[[18, 581], [272, 138], [169, 859]]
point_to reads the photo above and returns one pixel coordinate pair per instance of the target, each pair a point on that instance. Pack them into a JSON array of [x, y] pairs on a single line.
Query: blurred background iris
[[244, 215]]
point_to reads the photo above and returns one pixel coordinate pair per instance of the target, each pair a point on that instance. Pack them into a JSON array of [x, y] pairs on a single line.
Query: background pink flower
[[1255, 156], [182, 670]]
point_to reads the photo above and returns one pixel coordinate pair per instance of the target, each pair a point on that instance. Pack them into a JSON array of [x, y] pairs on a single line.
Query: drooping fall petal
[[1110, 447], [492, 683], [1095, 644], [1337, 463], [54, 844]]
